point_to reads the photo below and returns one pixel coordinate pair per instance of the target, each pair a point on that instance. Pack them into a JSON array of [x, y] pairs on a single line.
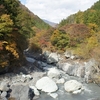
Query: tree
[[79, 17], [5, 25], [60, 39], [93, 27], [11, 6]]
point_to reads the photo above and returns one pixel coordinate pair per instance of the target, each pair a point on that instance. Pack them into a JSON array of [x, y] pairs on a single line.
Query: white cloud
[[56, 10]]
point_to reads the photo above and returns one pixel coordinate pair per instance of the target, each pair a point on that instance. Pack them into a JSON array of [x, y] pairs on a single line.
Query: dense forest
[[21, 29], [17, 26], [80, 32]]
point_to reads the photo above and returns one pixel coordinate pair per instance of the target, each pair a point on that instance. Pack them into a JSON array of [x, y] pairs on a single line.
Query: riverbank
[[47, 77], [23, 87]]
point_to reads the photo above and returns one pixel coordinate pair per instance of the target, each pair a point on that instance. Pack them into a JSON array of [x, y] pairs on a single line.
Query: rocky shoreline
[[51, 71]]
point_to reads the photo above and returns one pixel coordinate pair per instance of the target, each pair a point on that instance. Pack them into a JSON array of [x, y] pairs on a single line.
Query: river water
[[91, 92]]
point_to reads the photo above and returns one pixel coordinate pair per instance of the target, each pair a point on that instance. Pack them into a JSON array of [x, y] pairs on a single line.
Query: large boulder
[[80, 70], [4, 86], [73, 68], [54, 73], [64, 66], [46, 84], [46, 54], [20, 92], [3, 94], [92, 71], [53, 58], [73, 86]]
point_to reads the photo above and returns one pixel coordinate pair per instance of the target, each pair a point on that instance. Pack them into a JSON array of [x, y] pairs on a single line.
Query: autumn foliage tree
[[60, 39], [6, 25]]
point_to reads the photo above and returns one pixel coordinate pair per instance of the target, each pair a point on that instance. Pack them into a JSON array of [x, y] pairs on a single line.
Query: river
[[91, 92]]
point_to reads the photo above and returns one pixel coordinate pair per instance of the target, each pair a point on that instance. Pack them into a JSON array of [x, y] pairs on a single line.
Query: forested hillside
[[17, 26], [80, 32], [91, 15], [20, 28]]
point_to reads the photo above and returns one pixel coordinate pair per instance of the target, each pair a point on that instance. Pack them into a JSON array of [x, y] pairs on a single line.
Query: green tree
[[60, 39], [11, 7], [24, 23], [79, 17]]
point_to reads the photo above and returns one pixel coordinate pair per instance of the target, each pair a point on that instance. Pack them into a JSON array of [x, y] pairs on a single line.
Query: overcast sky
[[56, 10]]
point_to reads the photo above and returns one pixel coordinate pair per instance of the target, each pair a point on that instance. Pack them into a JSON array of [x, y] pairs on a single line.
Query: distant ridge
[[50, 23]]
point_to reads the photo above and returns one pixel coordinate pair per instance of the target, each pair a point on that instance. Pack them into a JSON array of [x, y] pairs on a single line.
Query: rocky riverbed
[[52, 77]]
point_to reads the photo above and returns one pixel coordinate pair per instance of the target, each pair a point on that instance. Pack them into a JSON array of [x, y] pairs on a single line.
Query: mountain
[[50, 23]]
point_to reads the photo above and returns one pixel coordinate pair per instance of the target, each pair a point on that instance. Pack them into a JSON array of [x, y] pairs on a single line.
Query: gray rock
[[36, 92], [48, 67], [3, 98], [61, 81], [73, 68], [68, 54], [69, 68], [46, 54], [4, 86], [54, 73], [81, 71], [73, 56], [64, 66], [92, 71], [3, 94], [32, 60], [53, 95], [42, 64], [73, 86], [36, 76], [26, 77], [18, 78], [35, 97], [46, 84], [20, 92], [53, 58]]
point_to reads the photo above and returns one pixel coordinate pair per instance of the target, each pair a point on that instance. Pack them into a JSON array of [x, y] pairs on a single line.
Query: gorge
[[40, 62]]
